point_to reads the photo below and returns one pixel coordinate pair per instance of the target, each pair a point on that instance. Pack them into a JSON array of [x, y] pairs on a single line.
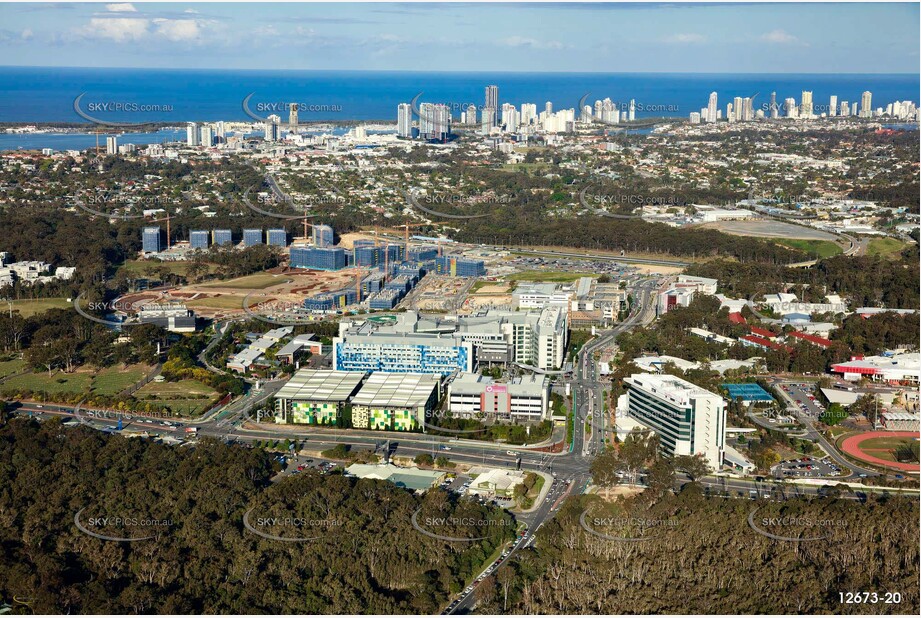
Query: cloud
[[778, 36], [686, 37], [26, 34], [121, 7], [118, 29], [178, 29], [520, 41]]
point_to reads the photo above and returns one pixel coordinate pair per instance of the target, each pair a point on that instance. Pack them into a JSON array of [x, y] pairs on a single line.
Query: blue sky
[[655, 37]]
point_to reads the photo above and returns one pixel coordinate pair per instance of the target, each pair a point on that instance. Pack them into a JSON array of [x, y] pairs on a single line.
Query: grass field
[[219, 302], [9, 367], [547, 276], [139, 268], [178, 396], [108, 381], [257, 281], [815, 248], [885, 247], [38, 305]]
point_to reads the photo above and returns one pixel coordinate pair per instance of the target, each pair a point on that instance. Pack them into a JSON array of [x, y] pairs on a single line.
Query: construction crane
[[406, 227], [168, 235]]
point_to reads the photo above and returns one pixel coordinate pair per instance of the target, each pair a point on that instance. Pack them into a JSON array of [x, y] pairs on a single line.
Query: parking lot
[[806, 467], [802, 396]]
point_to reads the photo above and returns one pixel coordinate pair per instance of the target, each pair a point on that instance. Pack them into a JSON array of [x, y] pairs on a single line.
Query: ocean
[[37, 95]]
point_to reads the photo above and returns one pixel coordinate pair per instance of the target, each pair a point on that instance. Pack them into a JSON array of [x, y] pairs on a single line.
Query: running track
[[851, 446]]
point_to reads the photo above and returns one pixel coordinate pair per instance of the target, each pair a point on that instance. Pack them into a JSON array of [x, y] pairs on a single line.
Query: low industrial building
[[176, 318], [412, 479], [395, 401], [524, 399], [894, 367], [316, 396]]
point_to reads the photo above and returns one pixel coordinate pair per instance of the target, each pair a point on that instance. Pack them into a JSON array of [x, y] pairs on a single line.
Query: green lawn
[[547, 276], [27, 308], [108, 381], [815, 248], [57, 382], [885, 247], [219, 302], [185, 397], [257, 281], [139, 268], [9, 367]]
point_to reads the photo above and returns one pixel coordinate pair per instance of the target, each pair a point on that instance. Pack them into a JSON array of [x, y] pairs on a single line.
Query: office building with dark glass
[[150, 240], [199, 239]]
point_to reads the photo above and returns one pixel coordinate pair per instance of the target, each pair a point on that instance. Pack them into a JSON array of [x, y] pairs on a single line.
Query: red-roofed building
[[736, 318], [761, 332], [822, 342], [761, 342]]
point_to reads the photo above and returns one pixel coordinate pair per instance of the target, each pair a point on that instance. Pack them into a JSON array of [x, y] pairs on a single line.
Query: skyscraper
[[150, 240], [492, 97], [711, 108], [737, 108], [730, 115], [548, 107], [323, 235], [271, 128], [470, 116], [191, 132], [845, 109], [631, 112], [790, 105], [774, 111], [866, 107], [833, 105], [111, 145], [806, 104], [404, 120], [292, 115], [528, 113], [207, 136]]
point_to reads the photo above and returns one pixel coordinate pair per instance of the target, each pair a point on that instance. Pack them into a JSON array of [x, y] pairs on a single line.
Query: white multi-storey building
[[687, 419]]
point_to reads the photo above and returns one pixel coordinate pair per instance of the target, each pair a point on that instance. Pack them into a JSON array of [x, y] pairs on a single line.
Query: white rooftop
[[321, 385], [396, 390]]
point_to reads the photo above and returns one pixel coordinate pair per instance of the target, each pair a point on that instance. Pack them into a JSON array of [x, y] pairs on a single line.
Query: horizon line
[[477, 72]]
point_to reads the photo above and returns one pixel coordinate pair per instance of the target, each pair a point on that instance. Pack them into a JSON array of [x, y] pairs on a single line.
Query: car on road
[[512, 453]]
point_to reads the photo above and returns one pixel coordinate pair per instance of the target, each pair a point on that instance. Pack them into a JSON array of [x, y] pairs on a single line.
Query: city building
[[192, 135], [316, 396], [199, 239], [318, 258], [277, 237], [176, 318], [687, 419], [112, 145], [891, 367], [221, 237], [459, 267], [323, 235], [395, 401], [252, 237], [404, 120], [866, 104], [523, 399], [150, 240]]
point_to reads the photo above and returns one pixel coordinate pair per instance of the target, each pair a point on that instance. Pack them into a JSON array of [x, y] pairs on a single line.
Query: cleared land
[[259, 281], [552, 276], [144, 268], [27, 308], [768, 229], [816, 248], [10, 367], [885, 247], [107, 381], [184, 397]]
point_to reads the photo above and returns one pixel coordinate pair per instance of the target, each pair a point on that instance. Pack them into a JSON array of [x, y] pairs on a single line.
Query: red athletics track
[[851, 446]]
